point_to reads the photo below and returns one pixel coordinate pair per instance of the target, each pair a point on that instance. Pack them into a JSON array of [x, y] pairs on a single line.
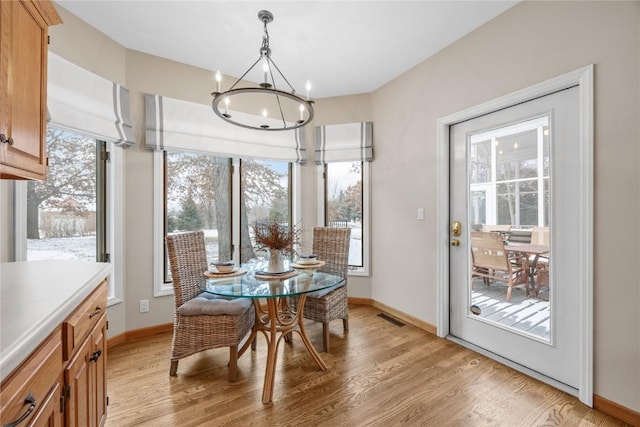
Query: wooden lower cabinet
[[63, 381], [49, 414], [85, 378], [31, 395]]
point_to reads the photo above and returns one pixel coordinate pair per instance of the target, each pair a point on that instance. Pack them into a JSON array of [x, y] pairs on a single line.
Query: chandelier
[[277, 109]]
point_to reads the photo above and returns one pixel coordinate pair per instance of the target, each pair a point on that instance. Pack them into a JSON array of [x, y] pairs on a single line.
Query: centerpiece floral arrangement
[[279, 238], [276, 235]]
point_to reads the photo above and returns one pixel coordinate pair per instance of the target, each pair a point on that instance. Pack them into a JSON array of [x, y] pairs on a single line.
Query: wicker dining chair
[[203, 321], [332, 246]]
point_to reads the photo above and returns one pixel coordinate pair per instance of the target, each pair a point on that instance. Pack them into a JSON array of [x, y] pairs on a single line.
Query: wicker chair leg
[[345, 324], [233, 362], [325, 336], [173, 370]]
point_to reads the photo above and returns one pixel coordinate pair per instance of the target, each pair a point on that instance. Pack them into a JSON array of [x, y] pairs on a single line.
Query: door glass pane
[[61, 211], [509, 283], [478, 208], [480, 161], [265, 197], [198, 197], [344, 204]]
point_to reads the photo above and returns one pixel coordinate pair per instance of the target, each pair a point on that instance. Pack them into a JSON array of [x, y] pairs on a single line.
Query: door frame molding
[[583, 77]]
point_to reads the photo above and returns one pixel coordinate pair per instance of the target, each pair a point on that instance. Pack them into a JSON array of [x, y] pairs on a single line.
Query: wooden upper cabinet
[[23, 87]]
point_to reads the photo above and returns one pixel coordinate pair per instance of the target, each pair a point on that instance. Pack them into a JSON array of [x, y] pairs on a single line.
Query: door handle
[[456, 228]]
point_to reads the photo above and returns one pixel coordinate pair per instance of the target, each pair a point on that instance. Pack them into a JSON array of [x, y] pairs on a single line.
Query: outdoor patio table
[[532, 253]]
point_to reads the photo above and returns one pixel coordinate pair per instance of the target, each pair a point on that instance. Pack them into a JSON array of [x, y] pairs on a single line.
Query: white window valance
[[344, 143], [81, 101], [174, 124]]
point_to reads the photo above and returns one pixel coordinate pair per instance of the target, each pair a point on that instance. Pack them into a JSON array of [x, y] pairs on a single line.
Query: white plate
[[303, 261], [235, 269]]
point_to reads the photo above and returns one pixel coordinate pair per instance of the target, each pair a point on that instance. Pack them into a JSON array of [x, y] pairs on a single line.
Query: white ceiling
[[342, 47]]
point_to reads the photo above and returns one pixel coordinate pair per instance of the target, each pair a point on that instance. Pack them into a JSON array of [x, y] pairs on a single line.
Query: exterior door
[[515, 173]]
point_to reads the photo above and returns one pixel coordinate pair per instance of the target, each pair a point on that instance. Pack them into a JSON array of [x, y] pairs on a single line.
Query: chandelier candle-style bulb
[[266, 93], [226, 107]]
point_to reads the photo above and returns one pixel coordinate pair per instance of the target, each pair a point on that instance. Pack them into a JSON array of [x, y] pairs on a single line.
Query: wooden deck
[[530, 315]]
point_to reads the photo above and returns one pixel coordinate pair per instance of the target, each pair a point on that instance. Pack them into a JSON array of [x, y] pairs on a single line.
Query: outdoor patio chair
[[202, 321], [492, 262]]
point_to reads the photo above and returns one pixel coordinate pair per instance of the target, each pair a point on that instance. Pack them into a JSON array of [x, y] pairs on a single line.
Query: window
[[345, 203], [509, 174], [71, 215], [265, 196], [220, 196], [197, 196], [62, 211]]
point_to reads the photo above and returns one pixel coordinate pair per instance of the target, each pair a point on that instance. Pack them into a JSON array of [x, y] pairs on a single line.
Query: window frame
[[321, 179], [536, 123], [162, 288], [112, 194]]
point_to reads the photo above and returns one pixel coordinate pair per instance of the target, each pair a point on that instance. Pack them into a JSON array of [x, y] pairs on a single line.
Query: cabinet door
[[100, 368], [23, 65], [49, 414], [85, 376], [77, 376]]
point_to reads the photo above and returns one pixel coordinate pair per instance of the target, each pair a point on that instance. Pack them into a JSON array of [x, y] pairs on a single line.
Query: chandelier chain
[[265, 38]]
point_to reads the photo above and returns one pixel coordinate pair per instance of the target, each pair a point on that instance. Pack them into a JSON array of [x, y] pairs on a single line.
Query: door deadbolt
[[455, 242], [456, 228]]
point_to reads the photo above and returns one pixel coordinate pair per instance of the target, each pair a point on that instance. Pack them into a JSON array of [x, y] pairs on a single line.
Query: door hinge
[[107, 325], [107, 400], [106, 156], [67, 391], [48, 39], [107, 257], [62, 401]]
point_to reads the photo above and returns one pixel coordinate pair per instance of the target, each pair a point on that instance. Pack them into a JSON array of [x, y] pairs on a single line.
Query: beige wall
[[529, 43]]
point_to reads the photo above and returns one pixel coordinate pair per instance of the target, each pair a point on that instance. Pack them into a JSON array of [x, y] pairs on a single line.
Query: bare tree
[[71, 176], [207, 179]]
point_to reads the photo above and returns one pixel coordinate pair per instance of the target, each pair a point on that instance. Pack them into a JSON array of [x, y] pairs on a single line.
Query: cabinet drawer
[[32, 380], [84, 318]]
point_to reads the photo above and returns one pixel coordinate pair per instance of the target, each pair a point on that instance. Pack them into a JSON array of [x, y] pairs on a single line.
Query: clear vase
[[276, 261]]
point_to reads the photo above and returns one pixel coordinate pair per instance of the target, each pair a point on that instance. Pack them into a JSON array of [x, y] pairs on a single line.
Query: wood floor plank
[[379, 374]]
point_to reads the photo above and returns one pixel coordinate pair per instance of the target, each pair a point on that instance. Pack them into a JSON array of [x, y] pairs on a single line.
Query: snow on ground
[[65, 248], [84, 248]]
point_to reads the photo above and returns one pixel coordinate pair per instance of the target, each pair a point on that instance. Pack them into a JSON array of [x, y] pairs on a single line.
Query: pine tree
[[190, 218]]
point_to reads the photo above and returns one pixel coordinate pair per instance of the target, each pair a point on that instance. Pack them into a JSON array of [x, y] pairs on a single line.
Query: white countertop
[[35, 297]]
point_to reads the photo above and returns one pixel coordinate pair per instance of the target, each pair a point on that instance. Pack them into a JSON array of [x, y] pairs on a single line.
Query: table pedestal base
[[278, 322]]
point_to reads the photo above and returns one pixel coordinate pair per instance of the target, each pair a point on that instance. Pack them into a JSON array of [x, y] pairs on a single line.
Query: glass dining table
[[279, 320]]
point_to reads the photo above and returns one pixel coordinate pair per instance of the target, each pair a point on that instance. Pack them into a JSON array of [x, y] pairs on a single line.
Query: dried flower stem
[[275, 235]]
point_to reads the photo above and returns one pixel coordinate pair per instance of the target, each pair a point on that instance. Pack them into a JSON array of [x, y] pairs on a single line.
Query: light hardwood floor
[[378, 374]]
